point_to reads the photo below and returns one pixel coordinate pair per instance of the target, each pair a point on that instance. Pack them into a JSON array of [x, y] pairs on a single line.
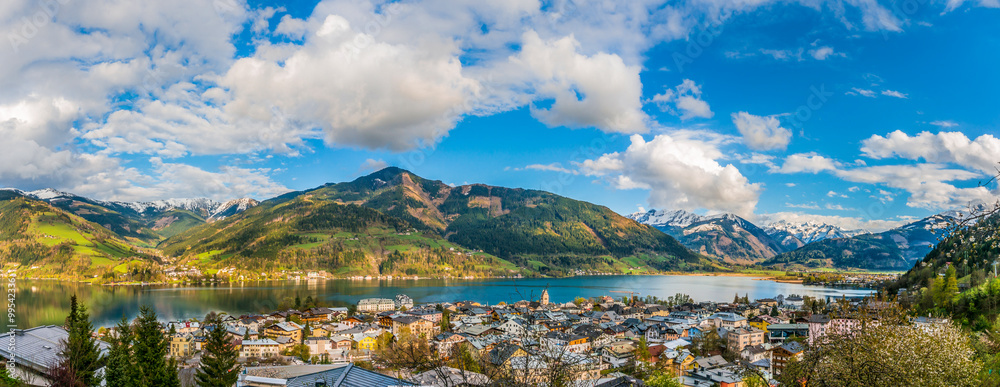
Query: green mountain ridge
[[48, 241], [398, 217]]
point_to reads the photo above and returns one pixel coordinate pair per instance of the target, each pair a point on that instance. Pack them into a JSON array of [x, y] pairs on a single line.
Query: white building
[[375, 305]]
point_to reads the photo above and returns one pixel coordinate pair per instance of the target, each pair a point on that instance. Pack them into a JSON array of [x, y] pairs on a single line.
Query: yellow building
[[762, 325], [363, 341], [181, 345]]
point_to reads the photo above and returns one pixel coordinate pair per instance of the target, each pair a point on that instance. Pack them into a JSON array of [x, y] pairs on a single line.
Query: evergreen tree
[[150, 352], [736, 299], [121, 370], [218, 362], [298, 302], [80, 358], [950, 285], [774, 311]]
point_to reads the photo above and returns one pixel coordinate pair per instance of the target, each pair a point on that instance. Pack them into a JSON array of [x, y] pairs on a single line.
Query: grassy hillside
[[427, 227], [49, 242]]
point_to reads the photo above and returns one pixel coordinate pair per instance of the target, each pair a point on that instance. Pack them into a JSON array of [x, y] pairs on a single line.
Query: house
[[184, 326], [780, 356], [794, 302], [722, 377], [446, 342], [431, 315], [364, 341], [36, 350], [413, 325], [403, 301], [820, 325], [259, 348], [567, 342], [742, 337], [340, 342], [329, 375], [375, 305], [618, 353], [287, 329], [728, 320], [780, 332], [181, 345], [318, 345]]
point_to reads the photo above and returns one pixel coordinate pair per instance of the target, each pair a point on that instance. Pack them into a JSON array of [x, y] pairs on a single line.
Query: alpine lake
[[44, 302]]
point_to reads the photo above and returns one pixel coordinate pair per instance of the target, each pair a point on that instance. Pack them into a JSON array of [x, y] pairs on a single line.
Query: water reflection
[[42, 302]]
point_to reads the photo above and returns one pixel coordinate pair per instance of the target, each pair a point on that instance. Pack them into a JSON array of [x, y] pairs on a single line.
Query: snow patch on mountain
[[663, 218], [809, 232], [231, 208]]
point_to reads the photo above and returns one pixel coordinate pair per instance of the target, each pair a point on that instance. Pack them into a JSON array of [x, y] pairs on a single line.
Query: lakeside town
[[608, 341]]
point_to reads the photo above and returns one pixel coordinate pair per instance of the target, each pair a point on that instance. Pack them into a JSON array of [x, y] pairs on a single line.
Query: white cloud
[[589, 91], [383, 95], [372, 165], [981, 154], [944, 124], [806, 206], [862, 92], [807, 163], [926, 184], [894, 93], [553, 167], [762, 133], [680, 172], [837, 207], [824, 52], [686, 101]]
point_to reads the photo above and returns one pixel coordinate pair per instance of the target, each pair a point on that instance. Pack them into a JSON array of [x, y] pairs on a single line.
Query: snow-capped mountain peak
[[195, 205], [232, 207], [47, 194], [663, 218], [809, 231]]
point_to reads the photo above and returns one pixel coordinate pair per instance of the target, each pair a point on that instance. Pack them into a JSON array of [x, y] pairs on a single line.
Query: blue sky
[[857, 113]]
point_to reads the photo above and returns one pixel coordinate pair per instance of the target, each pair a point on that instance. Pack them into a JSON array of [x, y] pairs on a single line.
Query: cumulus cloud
[[927, 184], [807, 163], [686, 101], [680, 171], [981, 154], [762, 133], [599, 90]]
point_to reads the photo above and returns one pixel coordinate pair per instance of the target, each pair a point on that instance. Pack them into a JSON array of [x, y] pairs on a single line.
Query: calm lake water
[[47, 302]]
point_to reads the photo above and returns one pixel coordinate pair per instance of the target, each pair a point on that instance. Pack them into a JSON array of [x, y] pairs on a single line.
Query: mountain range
[[393, 222], [389, 222], [785, 245]]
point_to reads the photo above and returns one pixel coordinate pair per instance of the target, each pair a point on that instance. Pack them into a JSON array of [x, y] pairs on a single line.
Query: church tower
[[545, 297]]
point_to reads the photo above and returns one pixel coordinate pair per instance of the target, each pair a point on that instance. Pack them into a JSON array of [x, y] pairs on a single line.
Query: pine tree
[[218, 362], [150, 352], [80, 358], [121, 370], [736, 299], [774, 311]]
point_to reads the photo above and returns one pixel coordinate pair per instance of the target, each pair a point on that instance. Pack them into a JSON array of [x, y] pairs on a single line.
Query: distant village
[[605, 339]]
